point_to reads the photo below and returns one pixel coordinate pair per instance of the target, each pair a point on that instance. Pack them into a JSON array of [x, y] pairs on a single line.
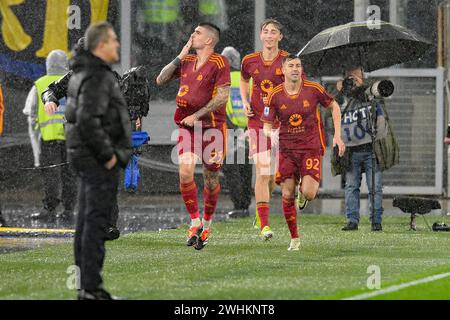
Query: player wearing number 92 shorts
[[295, 104], [301, 137]]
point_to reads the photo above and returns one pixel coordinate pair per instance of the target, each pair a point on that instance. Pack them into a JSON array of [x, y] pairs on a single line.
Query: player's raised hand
[[185, 51], [341, 146], [247, 109]]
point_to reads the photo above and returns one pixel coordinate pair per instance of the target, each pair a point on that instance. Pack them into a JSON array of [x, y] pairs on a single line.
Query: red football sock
[[210, 201], [263, 212], [290, 214], [189, 193]]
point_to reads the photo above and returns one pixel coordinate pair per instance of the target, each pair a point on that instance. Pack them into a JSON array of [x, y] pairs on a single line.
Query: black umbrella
[[336, 49]]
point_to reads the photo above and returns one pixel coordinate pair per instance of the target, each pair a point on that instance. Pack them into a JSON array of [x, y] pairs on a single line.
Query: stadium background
[[157, 265], [416, 107]]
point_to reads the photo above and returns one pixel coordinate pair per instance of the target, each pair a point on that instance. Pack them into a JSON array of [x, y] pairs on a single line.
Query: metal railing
[[416, 110]]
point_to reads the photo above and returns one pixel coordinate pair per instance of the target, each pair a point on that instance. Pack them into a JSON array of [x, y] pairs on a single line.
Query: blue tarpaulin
[[132, 173]]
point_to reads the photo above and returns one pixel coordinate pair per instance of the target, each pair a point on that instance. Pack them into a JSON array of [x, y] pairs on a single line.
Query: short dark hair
[[291, 57], [275, 22], [97, 33], [212, 28]]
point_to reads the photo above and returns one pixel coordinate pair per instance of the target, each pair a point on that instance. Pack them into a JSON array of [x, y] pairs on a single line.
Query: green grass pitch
[[237, 264]]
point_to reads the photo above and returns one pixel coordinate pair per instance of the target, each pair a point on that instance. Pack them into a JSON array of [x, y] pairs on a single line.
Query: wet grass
[[237, 265]]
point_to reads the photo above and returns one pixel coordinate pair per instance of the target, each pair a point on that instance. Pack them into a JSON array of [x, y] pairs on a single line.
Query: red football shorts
[[207, 144], [297, 164]]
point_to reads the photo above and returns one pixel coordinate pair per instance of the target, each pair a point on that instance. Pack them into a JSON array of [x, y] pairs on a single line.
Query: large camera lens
[[383, 88], [386, 88]]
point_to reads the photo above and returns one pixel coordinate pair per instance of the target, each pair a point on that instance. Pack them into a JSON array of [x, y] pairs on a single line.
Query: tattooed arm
[[214, 104], [168, 72]]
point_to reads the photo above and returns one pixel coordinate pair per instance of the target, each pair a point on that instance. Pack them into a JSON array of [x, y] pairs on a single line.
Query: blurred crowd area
[[159, 28]]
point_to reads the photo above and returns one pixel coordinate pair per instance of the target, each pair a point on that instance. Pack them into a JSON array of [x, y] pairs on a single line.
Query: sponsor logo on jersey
[[266, 86], [184, 89], [295, 120]]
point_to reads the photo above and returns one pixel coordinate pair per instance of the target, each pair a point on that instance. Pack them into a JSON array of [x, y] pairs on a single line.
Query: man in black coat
[[137, 105], [98, 138], [58, 90]]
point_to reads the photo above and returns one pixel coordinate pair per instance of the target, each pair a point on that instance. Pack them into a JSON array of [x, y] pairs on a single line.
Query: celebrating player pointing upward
[[202, 97]]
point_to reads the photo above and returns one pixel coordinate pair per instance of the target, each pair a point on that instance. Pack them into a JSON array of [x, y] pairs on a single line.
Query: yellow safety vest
[[51, 127], [235, 111], [209, 7], [161, 11]]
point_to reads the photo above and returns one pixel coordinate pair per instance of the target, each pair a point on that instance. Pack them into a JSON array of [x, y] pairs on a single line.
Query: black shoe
[[242, 213], [377, 227], [202, 241], [350, 226], [437, 226], [100, 294], [194, 234], [2, 221], [44, 214], [112, 233]]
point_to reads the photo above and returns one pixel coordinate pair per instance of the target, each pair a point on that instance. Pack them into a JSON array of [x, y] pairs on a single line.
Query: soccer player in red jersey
[[201, 116], [295, 103], [264, 68]]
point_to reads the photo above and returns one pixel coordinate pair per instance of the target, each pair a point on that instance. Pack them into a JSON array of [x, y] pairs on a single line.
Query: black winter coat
[[98, 124]]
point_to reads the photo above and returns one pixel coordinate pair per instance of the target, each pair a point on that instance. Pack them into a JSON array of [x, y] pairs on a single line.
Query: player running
[[264, 68], [295, 104], [201, 100]]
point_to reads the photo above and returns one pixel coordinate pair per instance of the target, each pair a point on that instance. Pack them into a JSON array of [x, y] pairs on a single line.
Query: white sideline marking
[[398, 287]]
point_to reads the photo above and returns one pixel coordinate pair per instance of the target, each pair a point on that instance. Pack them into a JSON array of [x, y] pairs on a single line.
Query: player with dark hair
[[201, 100], [294, 104]]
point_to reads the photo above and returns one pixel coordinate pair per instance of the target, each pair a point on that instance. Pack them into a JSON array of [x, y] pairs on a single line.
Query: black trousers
[[54, 153], [238, 178], [97, 201]]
